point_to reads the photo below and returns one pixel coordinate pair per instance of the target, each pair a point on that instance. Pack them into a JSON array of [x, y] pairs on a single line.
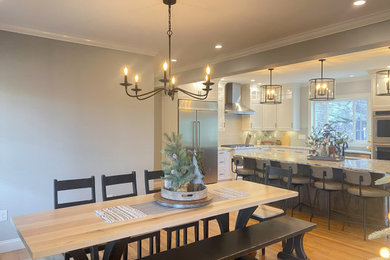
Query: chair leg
[[364, 217], [158, 242], [329, 209], [308, 194], [313, 205], [169, 240], [205, 229], [139, 249], [346, 206]]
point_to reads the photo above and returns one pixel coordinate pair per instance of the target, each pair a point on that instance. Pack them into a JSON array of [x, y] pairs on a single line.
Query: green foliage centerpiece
[[182, 177]]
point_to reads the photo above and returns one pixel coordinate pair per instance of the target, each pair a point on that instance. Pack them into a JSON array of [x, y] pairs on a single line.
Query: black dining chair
[[113, 251], [131, 180], [157, 175], [74, 184], [281, 178]]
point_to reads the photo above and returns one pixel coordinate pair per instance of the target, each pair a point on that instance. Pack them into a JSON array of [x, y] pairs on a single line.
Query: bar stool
[[362, 188], [157, 175], [297, 181], [248, 168], [265, 212], [323, 177], [131, 180], [261, 165]]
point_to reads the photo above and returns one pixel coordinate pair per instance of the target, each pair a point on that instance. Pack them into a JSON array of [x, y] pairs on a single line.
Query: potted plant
[[183, 179]]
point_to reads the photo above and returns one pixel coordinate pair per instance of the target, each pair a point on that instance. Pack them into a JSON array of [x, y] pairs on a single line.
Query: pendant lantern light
[[322, 89], [270, 94], [383, 83]]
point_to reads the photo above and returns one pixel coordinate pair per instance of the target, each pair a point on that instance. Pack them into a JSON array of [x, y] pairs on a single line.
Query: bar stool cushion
[[298, 180], [271, 176], [245, 171], [265, 212], [329, 185], [368, 192]]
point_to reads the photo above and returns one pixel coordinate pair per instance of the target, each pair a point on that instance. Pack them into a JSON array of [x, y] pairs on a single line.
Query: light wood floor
[[319, 244]]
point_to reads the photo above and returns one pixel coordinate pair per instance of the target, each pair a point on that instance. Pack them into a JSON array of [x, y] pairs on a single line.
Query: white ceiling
[[197, 24], [345, 67]]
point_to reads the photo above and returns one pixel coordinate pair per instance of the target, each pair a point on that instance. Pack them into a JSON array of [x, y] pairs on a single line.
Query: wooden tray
[[180, 204]]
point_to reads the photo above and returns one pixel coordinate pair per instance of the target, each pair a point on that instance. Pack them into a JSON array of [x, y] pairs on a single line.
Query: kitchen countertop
[[288, 147], [358, 164]]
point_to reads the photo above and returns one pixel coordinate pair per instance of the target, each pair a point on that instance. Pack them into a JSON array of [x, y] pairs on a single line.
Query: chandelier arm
[[144, 94], [190, 93], [151, 94], [196, 96]]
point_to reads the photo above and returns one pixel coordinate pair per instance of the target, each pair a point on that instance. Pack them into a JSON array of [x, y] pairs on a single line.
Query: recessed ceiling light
[[218, 46], [351, 76], [173, 60], [388, 66], [223, 79], [252, 80], [359, 2]]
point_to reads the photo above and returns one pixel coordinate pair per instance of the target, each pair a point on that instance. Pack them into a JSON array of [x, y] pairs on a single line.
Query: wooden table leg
[[223, 222], [243, 217], [295, 243]]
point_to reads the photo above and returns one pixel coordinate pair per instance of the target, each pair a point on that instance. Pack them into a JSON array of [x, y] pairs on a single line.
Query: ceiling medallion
[[322, 89], [383, 83], [169, 80], [270, 94]]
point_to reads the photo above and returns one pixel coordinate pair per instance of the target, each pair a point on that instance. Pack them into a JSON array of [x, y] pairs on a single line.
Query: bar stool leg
[[328, 209], [364, 217], [314, 204], [308, 193]]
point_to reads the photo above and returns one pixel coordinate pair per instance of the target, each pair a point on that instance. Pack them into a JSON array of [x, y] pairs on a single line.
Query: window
[[345, 115]]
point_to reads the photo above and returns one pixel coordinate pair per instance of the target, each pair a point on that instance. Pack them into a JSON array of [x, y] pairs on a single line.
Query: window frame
[[353, 98]]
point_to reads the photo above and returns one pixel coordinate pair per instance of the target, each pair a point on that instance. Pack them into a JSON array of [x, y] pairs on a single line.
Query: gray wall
[[63, 115]]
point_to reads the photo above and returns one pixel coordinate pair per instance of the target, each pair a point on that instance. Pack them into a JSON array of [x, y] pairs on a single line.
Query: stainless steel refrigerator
[[198, 125]]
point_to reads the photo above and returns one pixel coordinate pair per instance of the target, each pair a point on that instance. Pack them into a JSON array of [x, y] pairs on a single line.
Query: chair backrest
[[287, 166], [362, 178], [152, 175], [74, 184], [319, 172], [262, 163], [238, 160], [119, 179], [280, 173], [249, 163]]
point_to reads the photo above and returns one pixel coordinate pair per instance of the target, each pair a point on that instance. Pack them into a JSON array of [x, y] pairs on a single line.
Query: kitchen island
[[350, 163], [377, 207]]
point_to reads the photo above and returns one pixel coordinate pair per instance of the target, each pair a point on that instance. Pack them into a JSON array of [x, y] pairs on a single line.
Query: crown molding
[[74, 39], [296, 38]]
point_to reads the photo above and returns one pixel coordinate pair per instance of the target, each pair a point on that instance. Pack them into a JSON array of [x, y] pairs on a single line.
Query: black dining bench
[[239, 243]]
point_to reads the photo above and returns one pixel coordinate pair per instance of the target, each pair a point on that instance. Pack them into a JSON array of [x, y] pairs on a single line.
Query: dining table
[[58, 231]]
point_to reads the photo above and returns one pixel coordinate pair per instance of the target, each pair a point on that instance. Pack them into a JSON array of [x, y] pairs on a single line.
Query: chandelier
[[383, 83], [322, 89], [169, 82], [270, 94]]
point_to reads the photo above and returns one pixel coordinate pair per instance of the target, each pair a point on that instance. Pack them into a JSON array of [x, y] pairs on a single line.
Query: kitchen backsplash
[[234, 134]]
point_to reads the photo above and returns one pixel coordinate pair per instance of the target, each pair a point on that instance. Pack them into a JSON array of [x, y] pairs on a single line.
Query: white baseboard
[[11, 245]]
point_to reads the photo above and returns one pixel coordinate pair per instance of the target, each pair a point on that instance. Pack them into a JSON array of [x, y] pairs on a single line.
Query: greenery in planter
[[321, 139], [181, 169]]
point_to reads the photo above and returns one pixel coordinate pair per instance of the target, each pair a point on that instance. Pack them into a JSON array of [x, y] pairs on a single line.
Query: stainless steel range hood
[[233, 103]]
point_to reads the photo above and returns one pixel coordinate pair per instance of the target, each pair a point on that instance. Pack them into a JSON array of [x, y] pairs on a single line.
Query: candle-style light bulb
[[173, 81], [208, 70], [125, 71], [207, 78], [136, 78], [165, 66]]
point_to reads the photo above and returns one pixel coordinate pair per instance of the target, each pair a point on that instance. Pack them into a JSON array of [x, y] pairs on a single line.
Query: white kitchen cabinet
[[221, 106], [269, 117], [224, 171], [287, 113]]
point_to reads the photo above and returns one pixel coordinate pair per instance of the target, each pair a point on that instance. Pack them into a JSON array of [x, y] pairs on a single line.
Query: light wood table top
[[357, 164], [61, 230]]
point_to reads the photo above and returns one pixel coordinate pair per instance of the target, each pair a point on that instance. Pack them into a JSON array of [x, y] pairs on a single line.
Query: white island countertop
[[358, 164]]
